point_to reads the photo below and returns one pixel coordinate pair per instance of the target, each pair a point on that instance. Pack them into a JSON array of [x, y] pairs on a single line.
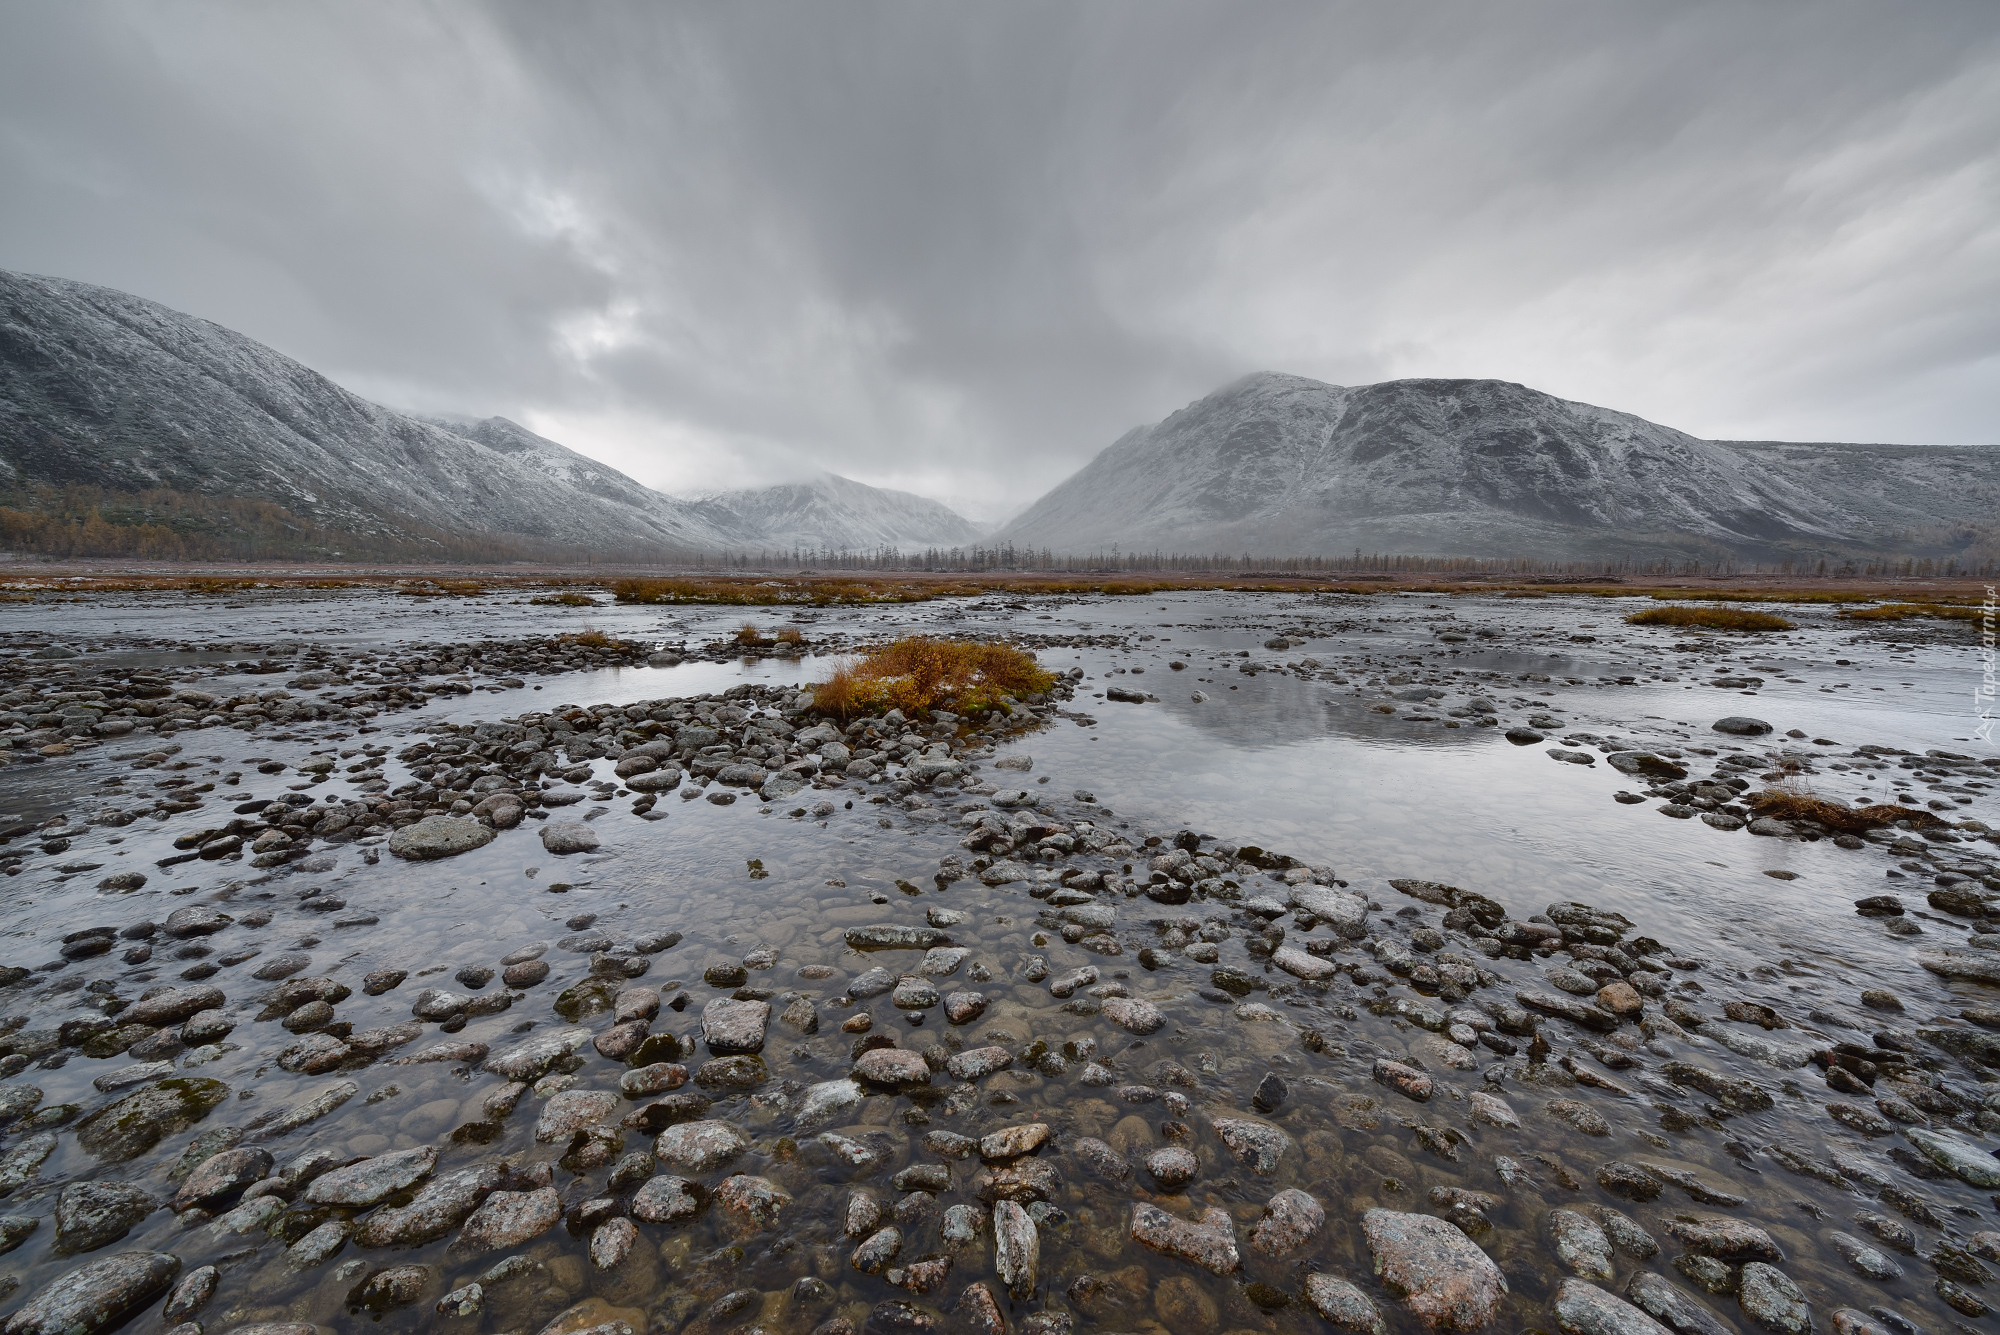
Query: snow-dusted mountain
[[1282, 464], [100, 387], [835, 513]]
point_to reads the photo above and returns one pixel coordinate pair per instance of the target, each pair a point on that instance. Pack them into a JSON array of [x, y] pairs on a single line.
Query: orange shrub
[[919, 672]]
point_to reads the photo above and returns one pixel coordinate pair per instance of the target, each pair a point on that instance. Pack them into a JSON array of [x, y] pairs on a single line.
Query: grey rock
[[96, 1296], [510, 1218], [1585, 1309], [373, 1180], [439, 837], [1292, 1218], [1771, 1300], [1443, 1275], [1342, 1305], [1671, 1307], [1209, 1242], [90, 1215], [569, 836], [699, 1147], [1017, 1249]]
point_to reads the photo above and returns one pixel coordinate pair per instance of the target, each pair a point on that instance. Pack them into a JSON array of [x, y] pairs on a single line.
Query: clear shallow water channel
[[1293, 757]]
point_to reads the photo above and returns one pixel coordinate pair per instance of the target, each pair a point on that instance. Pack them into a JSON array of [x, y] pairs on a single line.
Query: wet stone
[[667, 1200], [892, 1066], [1258, 1146], [221, 1177], [89, 1215], [510, 1218], [372, 1180], [1585, 1309], [1209, 1242], [1442, 1275], [1340, 1304], [1673, 1308], [747, 1204], [1291, 1219], [1404, 1079], [1581, 1244], [1016, 1249], [1014, 1141], [96, 1296], [1724, 1238], [1172, 1168], [1772, 1300], [975, 1063], [699, 1147]]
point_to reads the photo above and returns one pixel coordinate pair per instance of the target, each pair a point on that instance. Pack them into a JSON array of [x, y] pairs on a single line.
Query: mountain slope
[[835, 513], [1283, 464], [103, 388]]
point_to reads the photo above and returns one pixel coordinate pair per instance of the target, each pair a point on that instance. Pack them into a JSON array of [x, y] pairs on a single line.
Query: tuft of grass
[[790, 635], [1899, 611], [919, 672], [592, 638], [565, 600], [750, 637], [1713, 617], [1793, 800]]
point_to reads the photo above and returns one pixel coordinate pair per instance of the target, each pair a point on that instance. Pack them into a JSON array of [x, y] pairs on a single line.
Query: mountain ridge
[[103, 389], [1486, 468]]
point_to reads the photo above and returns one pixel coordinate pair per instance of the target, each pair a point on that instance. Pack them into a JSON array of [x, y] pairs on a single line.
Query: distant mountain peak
[[1279, 464]]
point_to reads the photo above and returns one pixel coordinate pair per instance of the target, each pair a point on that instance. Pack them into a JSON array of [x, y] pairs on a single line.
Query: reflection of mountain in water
[[1276, 709]]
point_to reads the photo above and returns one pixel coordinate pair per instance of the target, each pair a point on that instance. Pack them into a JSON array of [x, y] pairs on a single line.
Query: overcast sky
[[958, 248]]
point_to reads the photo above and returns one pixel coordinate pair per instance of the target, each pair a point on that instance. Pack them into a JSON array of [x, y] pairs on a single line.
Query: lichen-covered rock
[[1209, 1242], [372, 1180], [1585, 1309], [699, 1147], [142, 1119], [97, 1296], [439, 837], [747, 1205], [1017, 1249], [1342, 1305], [90, 1215], [1292, 1218], [667, 1200], [1257, 1145], [1771, 1300], [1443, 1275], [510, 1218]]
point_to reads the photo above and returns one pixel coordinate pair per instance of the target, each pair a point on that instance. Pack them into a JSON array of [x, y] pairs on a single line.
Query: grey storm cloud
[[958, 248]]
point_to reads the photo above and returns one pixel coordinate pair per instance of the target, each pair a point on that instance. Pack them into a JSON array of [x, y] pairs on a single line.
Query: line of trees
[[168, 525]]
